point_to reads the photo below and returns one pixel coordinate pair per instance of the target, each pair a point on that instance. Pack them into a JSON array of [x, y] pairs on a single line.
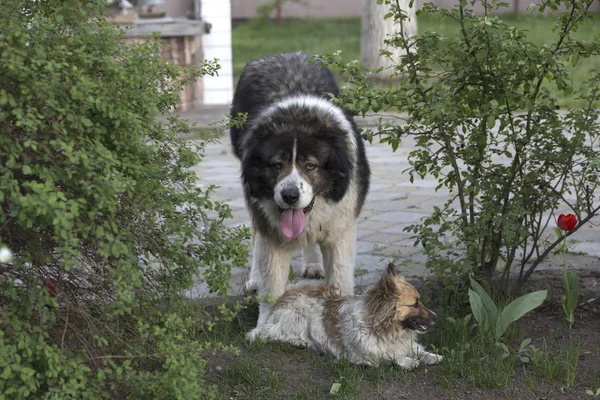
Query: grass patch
[[348, 375], [319, 36], [475, 361], [229, 322], [561, 367], [472, 361], [314, 36], [308, 391], [473, 365], [246, 379]]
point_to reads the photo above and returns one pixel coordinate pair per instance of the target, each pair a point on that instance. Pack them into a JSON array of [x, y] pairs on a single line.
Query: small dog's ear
[[391, 270]]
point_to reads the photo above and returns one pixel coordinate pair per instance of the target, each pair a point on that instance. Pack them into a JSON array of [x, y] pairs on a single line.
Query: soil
[[309, 375]]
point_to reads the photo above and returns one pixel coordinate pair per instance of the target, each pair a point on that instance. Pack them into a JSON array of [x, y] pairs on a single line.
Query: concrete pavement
[[392, 204]]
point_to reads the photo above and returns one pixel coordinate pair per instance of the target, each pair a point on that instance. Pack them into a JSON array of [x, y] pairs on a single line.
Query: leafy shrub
[[488, 129], [100, 208]]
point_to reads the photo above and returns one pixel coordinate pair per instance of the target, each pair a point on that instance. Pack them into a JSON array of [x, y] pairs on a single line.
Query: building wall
[[215, 44], [244, 9], [175, 8]]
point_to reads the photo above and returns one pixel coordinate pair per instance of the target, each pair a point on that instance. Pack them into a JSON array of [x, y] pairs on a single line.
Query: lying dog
[[376, 327]]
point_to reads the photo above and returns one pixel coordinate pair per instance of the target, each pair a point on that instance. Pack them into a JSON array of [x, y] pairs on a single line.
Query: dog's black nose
[[433, 317], [290, 195]]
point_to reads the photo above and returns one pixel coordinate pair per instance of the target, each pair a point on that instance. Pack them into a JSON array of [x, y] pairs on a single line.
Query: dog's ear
[[340, 169], [387, 287], [391, 269]]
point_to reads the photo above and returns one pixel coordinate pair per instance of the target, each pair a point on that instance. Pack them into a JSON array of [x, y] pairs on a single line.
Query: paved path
[[392, 204]]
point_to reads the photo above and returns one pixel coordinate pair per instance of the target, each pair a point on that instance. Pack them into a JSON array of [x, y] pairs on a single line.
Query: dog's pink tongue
[[292, 222]]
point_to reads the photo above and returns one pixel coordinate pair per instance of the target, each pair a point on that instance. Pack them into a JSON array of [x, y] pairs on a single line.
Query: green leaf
[[572, 286], [569, 302], [524, 344], [491, 310], [335, 388], [574, 60], [504, 348], [478, 310], [517, 308], [481, 55]]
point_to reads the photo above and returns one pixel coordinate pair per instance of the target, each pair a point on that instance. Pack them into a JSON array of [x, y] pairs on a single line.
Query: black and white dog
[[304, 171]]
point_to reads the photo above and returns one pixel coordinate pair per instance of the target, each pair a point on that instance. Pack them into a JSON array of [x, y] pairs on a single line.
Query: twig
[[131, 356], [62, 339]]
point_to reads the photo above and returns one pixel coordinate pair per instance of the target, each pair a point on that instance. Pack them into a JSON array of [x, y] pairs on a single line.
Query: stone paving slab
[[392, 204]]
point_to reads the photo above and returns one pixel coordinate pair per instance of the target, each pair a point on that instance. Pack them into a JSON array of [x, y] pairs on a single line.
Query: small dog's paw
[[252, 335], [298, 343], [409, 363], [313, 271], [432, 359]]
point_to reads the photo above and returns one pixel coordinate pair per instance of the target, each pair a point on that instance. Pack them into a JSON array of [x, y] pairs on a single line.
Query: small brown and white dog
[[377, 327]]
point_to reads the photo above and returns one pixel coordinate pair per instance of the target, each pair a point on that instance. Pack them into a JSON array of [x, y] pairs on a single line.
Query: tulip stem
[[569, 301], [564, 251]]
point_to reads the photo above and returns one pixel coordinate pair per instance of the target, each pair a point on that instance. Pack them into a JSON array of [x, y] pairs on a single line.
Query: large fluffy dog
[[379, 326], [304, 172]]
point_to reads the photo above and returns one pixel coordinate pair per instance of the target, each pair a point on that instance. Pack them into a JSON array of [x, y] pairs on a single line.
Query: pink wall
[[244, 9], [175, 8]]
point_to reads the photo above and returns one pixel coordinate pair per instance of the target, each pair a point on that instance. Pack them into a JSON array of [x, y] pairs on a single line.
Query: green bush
[[101, 210], [488, 129]]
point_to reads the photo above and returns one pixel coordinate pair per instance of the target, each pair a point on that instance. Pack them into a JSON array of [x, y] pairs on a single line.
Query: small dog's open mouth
[[416, 325]]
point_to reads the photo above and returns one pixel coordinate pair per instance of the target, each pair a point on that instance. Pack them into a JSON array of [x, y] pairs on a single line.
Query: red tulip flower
[[567, 222]]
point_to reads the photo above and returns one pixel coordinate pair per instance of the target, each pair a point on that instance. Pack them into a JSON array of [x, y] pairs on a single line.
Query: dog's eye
[[416, 305], [277, 166], [309, 166]]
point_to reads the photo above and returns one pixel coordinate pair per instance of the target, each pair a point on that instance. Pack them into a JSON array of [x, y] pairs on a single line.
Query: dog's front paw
[[252, 335], [432, 359], [313, 271], [408, 363]]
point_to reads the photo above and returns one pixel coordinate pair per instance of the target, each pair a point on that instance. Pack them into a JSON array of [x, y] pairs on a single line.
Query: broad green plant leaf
[[569, 302], [517, 308], [478, 310], [490, 310]]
